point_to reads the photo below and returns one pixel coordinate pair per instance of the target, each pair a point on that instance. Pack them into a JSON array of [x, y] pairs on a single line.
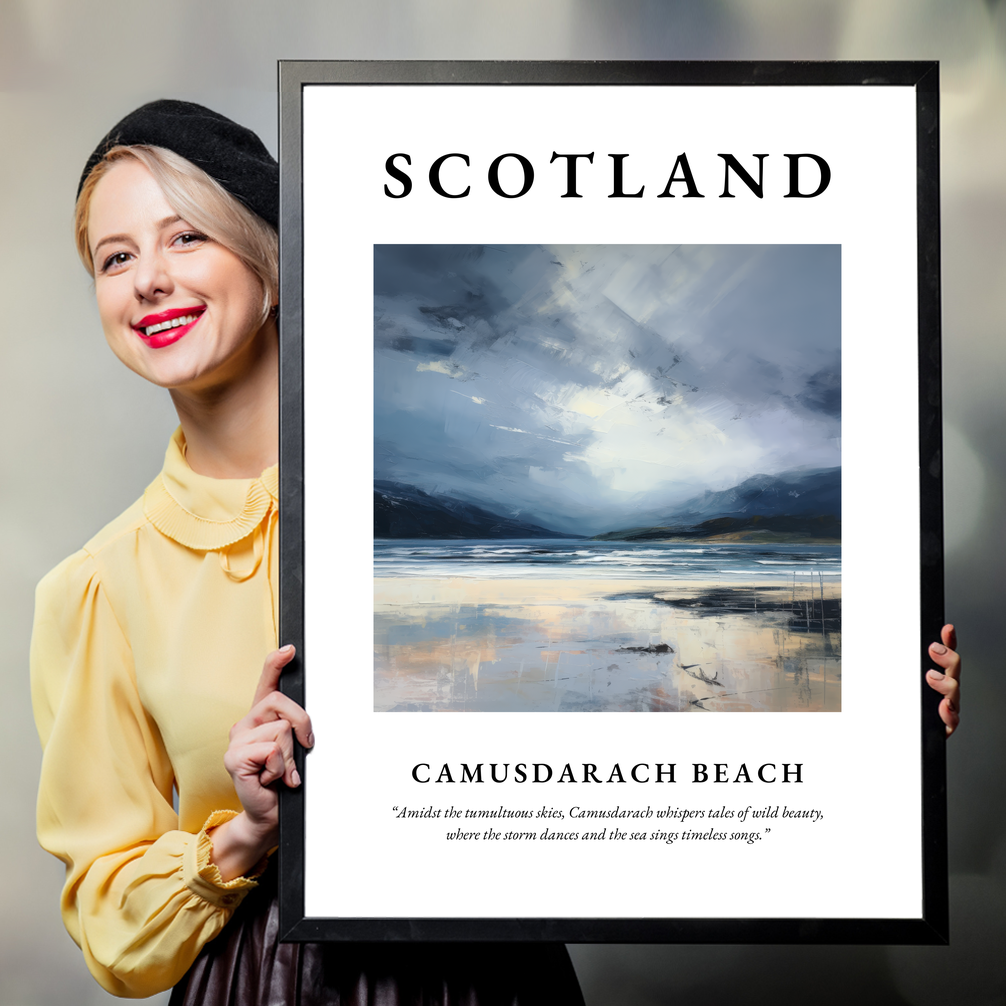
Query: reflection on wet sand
[[562, 645]]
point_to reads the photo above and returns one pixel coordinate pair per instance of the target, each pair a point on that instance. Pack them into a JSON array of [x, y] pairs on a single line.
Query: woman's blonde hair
[[200, 201]]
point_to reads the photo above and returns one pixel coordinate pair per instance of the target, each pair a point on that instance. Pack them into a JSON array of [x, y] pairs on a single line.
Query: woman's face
[[177, 308]]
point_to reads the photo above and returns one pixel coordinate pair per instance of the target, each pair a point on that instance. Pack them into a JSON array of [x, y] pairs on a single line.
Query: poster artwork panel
[[620, 452], [607, 478]]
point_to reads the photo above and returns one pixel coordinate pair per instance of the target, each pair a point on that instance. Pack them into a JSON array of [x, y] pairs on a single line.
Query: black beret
[[231, 154]]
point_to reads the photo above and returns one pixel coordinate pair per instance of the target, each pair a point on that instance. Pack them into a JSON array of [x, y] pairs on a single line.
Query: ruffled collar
[[203, 513]]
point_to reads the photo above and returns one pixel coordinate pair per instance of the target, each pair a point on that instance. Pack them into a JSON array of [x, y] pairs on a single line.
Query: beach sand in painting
[[516, 644]]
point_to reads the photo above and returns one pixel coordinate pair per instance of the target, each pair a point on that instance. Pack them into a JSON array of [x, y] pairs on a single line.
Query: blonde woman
[[165, 735]]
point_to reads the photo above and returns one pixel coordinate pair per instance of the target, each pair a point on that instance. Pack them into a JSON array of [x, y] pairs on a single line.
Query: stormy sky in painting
[[595, 387]]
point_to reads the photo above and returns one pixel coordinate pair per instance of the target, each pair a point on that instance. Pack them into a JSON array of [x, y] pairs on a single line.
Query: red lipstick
[[166, 327]]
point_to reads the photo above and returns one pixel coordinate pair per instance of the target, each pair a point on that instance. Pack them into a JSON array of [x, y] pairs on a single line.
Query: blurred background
[[84, 437]]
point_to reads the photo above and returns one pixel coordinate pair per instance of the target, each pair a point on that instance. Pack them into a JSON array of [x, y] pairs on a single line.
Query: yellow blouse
[[147, 647]]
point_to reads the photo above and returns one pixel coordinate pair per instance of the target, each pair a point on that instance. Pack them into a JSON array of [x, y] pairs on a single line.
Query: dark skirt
[[246, 965]]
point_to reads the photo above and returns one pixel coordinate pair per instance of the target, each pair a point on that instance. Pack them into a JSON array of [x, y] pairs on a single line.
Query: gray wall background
[[82, 436]]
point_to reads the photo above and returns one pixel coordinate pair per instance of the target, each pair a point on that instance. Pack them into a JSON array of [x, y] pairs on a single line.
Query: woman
[[148, 643]]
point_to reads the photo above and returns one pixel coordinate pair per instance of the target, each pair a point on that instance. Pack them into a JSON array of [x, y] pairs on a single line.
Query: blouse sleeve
[[141, 898]]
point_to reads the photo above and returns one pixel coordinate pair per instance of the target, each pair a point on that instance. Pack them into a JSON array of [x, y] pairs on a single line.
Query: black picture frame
[[931, 926]]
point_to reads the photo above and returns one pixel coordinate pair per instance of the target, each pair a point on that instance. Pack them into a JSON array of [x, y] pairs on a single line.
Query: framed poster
[[611, 501]]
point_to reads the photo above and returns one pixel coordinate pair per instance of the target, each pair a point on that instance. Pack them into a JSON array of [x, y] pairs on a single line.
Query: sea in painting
[[607, 478]]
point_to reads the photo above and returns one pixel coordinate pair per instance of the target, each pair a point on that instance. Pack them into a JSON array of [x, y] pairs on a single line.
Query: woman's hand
[[260, 753], [947, 682]]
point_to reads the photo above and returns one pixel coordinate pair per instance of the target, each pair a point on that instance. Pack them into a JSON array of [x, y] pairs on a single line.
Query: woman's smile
[[166, 327]]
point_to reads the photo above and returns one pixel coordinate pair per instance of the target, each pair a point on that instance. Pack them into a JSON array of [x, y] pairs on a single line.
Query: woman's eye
[[190, 238], [114, 261]]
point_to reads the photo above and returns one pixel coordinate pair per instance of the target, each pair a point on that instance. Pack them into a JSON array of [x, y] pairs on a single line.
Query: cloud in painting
[[603, 384]]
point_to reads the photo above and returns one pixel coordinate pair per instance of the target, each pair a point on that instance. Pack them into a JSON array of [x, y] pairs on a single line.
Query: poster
[[601, 384]]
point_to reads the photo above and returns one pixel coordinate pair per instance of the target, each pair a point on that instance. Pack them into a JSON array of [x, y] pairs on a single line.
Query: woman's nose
[[152, 277]]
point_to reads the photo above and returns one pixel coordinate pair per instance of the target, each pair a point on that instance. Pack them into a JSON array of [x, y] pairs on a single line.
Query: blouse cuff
[[202, 876]]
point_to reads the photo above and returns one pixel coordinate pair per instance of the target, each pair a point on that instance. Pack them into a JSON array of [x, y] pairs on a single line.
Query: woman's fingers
[[949, 660], [270, 703], [949, 711], [277, 706], [278, 735], [947, 686], [260, 761], [261, 749], [274, 766], [272, 668], [944, 655], [949, 636], [946, 682]]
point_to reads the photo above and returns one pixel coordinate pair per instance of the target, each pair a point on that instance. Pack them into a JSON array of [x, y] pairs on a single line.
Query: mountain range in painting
[[796, 505], [403, 511]]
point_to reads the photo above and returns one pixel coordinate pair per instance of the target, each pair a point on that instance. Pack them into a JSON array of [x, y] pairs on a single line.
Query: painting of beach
[[607, 478]]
